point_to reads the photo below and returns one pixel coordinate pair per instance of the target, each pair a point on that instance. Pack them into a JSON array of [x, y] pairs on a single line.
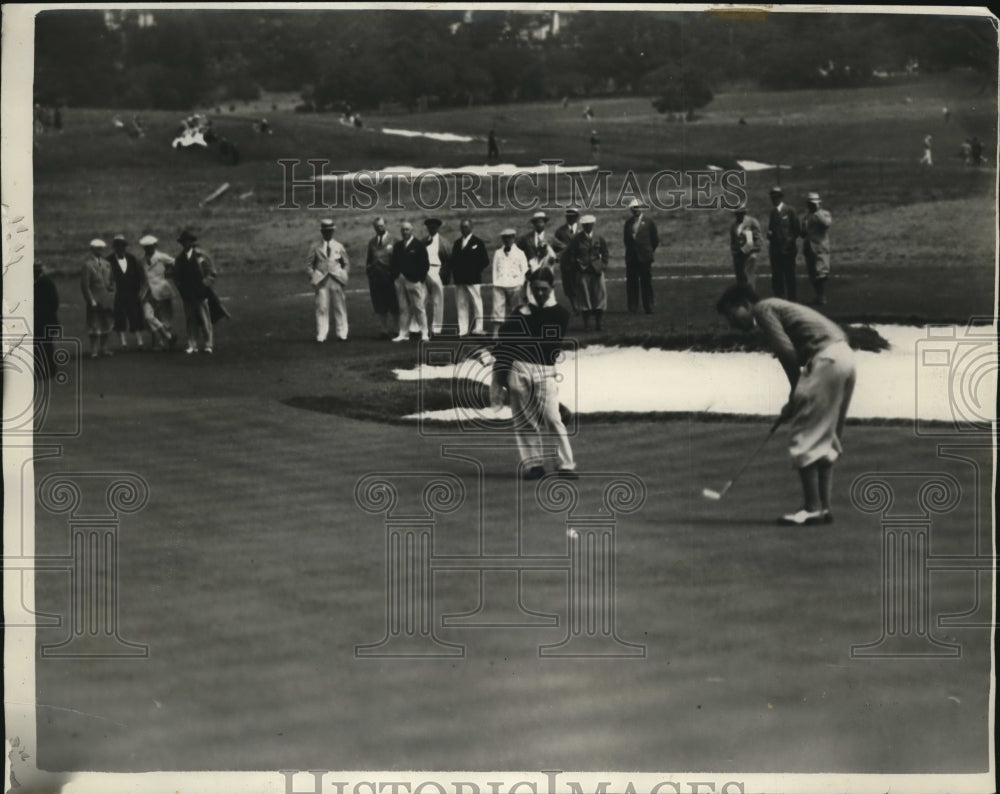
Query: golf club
[[714, 495]]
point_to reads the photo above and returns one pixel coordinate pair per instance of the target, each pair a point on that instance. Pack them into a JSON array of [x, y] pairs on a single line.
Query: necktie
[[327, 250]]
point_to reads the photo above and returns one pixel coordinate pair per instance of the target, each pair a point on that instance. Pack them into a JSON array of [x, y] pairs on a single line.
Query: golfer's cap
[[508, 232], [777, 191], [573, 212], [635, 203], [813, 197], [97, 242], [327, 224], [432, 222], [588, 219], [119, 238], [148, 240], [539, 216]]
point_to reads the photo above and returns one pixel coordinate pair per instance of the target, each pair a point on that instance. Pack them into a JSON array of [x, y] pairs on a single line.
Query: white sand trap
[[939, 373], [753, 165], [504, 169], [449, 137]]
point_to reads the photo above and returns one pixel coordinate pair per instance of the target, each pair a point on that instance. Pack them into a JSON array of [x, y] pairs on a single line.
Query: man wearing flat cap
[[641, 241], [510, 266], [328, 264], [560, 245], [438, 254], [744, 245], [194, 275], [816, 232], [158, 297], [130, 283], [589, 254], [783, 232], [98, 287], [536, 244]]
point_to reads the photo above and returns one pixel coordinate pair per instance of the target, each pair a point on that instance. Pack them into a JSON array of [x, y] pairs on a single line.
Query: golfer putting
[[819, 363]]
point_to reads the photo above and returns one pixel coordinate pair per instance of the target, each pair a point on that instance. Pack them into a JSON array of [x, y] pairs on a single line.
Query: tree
[[683, 93]]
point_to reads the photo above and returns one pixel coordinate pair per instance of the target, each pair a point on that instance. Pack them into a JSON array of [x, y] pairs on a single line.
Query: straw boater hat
[[540, 216], [327, 224], [636, 203], [813, 197]]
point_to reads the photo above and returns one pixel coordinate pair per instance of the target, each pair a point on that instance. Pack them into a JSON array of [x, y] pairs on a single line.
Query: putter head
[[708, 493]]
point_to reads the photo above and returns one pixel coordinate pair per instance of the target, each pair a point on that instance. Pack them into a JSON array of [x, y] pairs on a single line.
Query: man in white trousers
[[469, 259], [438, 254], [328, 266]]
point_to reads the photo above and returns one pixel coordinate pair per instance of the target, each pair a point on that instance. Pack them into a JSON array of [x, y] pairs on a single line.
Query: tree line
[[177, 59]]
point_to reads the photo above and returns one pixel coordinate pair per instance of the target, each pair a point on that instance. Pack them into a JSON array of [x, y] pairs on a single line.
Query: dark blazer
[[588, 255], [639, 246], [467, 265], [410, 259], [783, 230], [128, 285], [193, 278]]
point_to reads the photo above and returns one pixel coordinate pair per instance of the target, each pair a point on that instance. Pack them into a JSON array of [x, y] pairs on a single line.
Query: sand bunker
[[504, 169], [450, 137], [938, 373], [753, 165]]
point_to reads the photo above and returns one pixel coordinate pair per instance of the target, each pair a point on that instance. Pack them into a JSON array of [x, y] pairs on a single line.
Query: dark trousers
[[639, 281], [783, 275]]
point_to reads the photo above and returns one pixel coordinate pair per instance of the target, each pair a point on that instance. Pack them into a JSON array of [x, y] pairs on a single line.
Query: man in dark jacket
[[378, 268], [783, 232], [130, 283], [469, 259], [641, 240], [46, 323], [194, 275], [560, 245], [409, 268], [528, 348]]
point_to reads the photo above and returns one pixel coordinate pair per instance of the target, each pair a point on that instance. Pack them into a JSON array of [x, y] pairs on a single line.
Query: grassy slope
[[252, 573], [858, 148]]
